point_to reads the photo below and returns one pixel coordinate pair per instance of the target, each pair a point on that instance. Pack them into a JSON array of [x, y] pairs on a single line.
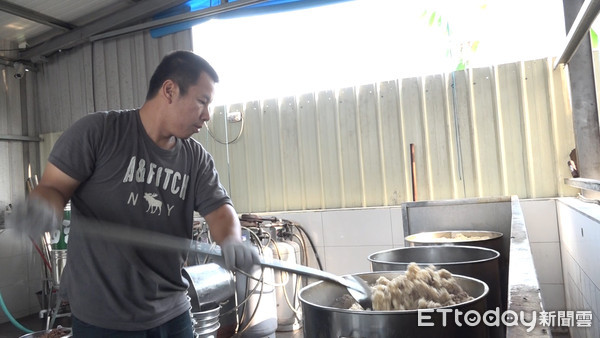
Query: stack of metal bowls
[[210, 286], [206, 321]]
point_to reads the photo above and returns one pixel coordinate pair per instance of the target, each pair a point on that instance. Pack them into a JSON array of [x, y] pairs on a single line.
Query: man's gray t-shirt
[[127, 179]]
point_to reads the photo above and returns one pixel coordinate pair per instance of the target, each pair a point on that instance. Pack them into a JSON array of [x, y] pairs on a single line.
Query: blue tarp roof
[[268, 7]]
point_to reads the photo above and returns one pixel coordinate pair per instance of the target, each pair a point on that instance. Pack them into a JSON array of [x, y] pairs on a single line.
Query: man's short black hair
[[183, 68]]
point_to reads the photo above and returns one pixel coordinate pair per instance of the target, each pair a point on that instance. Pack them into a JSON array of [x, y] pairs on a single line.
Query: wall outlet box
[[234, 116]]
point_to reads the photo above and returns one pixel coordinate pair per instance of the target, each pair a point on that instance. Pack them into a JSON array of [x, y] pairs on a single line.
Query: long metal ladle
[[356, 286]]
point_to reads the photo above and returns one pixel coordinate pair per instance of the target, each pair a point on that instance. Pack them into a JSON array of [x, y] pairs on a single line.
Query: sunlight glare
[[365, 41]]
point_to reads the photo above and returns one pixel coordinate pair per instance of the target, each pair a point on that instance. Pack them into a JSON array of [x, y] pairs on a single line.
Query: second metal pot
[[476, 262], [478, 238]]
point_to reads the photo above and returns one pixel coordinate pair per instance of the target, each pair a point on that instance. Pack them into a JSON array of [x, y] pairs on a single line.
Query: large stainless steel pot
[[476, 262], [323, 319], [487, 239]]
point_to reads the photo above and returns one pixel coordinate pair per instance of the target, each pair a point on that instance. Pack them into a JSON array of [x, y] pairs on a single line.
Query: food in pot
[[459, 237], [56, 333], [416, 289]]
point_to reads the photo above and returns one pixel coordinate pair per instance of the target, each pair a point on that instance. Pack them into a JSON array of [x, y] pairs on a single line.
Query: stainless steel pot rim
[[207, 308], [414, 238], [493, 252], [40, 333], [207, 321], [486, 290], [204, 316], [207, 314]]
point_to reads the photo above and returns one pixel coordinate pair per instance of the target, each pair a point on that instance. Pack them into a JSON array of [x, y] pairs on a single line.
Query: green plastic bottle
[[63, 240]]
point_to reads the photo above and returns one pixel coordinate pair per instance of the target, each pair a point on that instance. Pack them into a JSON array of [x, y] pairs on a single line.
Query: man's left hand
[[238, 255]]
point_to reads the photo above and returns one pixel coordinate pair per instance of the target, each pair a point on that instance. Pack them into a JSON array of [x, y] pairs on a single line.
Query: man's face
[[191, 110]]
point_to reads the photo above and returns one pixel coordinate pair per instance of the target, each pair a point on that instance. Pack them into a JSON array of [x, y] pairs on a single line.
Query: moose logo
[[153, 203]]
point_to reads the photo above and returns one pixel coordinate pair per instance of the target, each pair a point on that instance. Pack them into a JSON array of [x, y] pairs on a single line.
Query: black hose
[[312, 244]]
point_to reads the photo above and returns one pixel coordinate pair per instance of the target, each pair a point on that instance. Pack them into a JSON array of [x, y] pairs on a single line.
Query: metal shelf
[[584, 183]]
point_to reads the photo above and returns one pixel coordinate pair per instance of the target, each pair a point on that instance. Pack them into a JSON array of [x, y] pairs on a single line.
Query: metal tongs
[[357, 287]]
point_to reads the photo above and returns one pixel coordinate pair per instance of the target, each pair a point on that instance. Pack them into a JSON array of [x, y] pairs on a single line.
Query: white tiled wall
[[542, 229], [358, 227], [311, 223], [397, 227], [579, 227], [346, 237]]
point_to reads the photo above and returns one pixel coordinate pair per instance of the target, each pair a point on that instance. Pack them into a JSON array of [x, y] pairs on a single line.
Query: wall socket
[[234, 116]]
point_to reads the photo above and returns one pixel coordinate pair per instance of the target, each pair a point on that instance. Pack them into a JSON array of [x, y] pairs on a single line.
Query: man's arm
[[223, 222], [225, 229], [55, 187], [43, 210]]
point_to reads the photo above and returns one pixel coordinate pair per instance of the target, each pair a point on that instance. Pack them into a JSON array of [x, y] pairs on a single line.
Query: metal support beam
[[579, 29], [586, 125], [583, 183], [139, 11], [11, 63], [38, 17], [225, 7], [20, 138]]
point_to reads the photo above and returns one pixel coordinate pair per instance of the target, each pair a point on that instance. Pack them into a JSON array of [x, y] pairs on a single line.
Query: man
[[138, 168]]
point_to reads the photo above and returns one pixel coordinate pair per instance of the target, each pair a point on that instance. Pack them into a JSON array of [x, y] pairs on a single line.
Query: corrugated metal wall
[[10, 118], [105, 75], [496, 131], [16, 120], [19, 280], [493, 131]]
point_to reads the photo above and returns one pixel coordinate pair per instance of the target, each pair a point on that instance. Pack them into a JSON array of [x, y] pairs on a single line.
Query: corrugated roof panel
[[76, 12], [17, 29], [70, 10]]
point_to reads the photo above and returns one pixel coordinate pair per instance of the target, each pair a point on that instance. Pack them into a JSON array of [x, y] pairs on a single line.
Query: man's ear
[[168, 90]]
